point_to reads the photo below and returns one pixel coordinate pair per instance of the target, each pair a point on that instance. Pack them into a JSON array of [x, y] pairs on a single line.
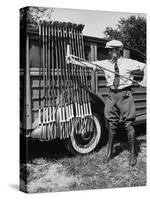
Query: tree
[[131, 31], [32, 15]]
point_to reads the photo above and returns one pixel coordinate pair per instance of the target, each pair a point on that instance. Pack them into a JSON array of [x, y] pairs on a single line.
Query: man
[[120, 103]]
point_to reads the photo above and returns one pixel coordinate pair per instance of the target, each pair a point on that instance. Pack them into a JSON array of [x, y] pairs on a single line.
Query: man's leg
[[111, 135], [127, 108], [112, 115], [132, 147]]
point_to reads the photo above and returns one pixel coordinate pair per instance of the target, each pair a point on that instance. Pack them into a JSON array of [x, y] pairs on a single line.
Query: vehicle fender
[[97, 102]]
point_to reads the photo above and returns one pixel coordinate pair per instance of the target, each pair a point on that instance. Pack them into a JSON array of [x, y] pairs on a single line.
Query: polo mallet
[[77, 78], [43, 85], [84, 99], [89, 113], [85, 112], [75, 95], [52, 125], [61, 65], [83, 62], [66, 80], [40, 74], [50, 122]]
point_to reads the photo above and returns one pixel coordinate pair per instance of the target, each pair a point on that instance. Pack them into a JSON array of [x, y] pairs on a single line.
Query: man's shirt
[[126, 67]]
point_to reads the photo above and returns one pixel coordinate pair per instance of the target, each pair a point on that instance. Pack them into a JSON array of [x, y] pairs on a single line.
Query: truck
[[94, 48]]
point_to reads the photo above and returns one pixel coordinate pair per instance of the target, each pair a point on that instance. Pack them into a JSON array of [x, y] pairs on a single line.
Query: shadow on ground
[[14, 186]]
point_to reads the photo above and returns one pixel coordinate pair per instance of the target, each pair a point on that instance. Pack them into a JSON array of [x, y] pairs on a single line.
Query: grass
[[62, 172]]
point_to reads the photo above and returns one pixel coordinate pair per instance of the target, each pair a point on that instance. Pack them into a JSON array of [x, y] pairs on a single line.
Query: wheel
[[85, 141]]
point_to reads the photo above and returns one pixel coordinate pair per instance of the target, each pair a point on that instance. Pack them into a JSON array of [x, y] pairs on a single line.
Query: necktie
[[116, 79]]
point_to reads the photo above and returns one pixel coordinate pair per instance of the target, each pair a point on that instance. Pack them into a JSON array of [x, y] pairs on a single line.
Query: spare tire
[[86, 142]]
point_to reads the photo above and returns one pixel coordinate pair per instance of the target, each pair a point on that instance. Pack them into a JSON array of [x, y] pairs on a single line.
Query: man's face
[[114, 53]]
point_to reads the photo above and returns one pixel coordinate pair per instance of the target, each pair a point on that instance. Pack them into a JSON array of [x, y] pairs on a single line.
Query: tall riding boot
[[131, 139], [110, 144]]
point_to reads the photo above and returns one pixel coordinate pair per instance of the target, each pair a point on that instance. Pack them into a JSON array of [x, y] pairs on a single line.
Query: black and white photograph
[[83, 105]]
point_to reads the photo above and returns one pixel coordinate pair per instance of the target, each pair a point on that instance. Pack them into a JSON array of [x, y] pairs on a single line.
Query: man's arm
[[94, 65], [136, 65], [91, 65], [143, 82]]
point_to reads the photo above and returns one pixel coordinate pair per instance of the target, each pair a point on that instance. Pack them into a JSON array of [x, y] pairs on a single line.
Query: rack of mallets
[[64, 103]]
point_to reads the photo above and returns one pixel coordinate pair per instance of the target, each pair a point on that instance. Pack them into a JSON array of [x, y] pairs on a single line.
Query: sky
[[95, 21]]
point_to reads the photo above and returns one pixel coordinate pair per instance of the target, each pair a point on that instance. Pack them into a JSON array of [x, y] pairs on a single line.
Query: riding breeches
[[120, 106]]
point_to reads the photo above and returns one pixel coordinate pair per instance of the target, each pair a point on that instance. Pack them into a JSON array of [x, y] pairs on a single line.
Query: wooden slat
[[140, 119]]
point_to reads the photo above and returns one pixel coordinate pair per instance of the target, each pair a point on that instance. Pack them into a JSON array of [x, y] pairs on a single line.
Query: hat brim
[[113, 47], [109, 47]]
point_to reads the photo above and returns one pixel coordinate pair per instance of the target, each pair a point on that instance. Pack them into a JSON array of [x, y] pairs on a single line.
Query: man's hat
[[114, 44]]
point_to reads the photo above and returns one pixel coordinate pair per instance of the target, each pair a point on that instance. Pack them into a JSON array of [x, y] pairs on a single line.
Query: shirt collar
[[118, 60]]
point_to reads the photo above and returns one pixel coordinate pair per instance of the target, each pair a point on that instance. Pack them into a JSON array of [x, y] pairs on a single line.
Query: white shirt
[[126, 67]]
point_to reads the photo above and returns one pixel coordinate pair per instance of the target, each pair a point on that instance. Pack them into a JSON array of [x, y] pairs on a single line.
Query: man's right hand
[[94, 66], [69, 59]]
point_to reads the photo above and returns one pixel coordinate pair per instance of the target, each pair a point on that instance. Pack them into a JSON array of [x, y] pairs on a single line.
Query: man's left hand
[[143, 83]]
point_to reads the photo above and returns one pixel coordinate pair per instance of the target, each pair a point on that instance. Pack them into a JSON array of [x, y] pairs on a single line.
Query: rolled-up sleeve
[[136, 65]]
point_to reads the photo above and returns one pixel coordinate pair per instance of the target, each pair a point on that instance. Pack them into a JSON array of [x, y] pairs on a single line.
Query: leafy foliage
[[32, 15], [131, 31]]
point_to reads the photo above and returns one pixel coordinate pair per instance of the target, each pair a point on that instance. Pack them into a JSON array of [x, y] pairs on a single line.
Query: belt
[[120, 90]]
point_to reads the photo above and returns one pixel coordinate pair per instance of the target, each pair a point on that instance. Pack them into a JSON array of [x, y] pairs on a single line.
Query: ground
[[50, 168]]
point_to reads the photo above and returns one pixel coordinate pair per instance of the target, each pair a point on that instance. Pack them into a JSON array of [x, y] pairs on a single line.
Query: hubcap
[[83, 137]]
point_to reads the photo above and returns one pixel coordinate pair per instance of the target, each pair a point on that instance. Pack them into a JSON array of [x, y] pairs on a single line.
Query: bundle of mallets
[[64, 104]]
